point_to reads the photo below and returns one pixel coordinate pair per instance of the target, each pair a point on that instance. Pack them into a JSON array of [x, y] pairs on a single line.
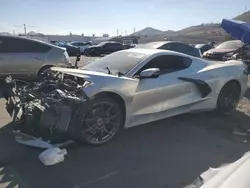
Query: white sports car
[[125, 89]]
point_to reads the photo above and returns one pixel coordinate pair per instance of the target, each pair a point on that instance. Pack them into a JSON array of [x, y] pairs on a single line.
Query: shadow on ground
[[168, 153]]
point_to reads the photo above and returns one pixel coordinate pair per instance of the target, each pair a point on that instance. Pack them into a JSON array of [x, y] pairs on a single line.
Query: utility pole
[[117, 32], [24, 27]]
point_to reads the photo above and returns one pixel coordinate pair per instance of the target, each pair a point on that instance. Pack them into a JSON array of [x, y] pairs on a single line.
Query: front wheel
[[228, 98], [43, 70], [98, 121]]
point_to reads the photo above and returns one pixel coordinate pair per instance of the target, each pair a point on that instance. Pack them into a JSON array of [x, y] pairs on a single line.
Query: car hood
[[220, 51], [81, 73], [101, 81], [90, 75]]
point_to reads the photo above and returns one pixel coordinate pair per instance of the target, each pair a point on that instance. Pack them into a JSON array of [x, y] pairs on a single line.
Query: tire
[[228, 98], [86, 53], [97, 121], [42, 70], [95, 53]]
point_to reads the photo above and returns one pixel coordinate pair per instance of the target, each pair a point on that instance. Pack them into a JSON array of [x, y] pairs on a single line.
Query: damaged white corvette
[[124, 89]]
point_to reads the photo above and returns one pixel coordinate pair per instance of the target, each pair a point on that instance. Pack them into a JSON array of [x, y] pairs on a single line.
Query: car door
[[165, 94], [23, 57], [82, 46], [107, 48], [117, 47]]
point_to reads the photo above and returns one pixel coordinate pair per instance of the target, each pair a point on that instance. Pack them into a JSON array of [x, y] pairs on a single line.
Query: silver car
[[125, 89], [22, 57]]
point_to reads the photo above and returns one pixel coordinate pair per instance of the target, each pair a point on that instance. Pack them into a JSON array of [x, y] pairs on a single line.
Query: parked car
[[229, 175], [227, 48], [81, 45], [23, 57], [72, 50], [128, 46], [103, 48], [55, 42], [204, 47], [173, 46], [125, 89]]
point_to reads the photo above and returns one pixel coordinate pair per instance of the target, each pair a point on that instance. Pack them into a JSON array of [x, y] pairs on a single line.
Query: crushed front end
[[45, 108]]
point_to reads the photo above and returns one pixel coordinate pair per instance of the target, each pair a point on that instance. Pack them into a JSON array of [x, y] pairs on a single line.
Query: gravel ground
[[169, 153]]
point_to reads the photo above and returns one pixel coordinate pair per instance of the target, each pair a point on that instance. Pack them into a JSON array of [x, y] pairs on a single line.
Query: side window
[[168, 63], [167, 46], [182, 48], [19, 45], [193, 51], [117, 45], [107, 45], [75, 44], [80, 44]]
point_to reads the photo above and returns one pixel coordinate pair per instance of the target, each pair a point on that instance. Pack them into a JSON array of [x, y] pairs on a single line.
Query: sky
[[106, 16]]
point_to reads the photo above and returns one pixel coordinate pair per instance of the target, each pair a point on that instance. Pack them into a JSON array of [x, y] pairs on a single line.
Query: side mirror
[[149, 73]]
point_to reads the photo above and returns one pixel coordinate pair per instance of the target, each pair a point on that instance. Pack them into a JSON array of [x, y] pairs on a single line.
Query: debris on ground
[[52, 156]]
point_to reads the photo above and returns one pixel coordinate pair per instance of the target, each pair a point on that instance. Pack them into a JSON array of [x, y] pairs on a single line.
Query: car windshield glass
[[122, 62], [199, 45], [101, 44], [230, 45], [152, 45]]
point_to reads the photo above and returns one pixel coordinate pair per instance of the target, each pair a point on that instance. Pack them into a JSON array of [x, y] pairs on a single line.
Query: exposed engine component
[[46, 106]]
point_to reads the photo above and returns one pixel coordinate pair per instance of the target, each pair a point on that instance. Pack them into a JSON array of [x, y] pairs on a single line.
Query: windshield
[[151, 45], [101, 44], [236, 44], [122, 62], [199, 45]]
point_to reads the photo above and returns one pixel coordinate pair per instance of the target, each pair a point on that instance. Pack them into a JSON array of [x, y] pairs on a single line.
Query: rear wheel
[[228, 98], [98, 121]]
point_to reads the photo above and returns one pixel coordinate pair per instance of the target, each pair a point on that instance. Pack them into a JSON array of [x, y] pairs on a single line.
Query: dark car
[[204, 47], [72, 50], [127, 46], [225, 49], [173, 46], [103, 48]]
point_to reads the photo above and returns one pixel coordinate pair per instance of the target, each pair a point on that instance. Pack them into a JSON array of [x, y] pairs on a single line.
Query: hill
[[194, 34], [148, 31], [245, 17], [4, 33]]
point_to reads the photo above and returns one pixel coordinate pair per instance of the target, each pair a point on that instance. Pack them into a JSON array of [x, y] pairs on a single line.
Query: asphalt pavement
[[169, 153]]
